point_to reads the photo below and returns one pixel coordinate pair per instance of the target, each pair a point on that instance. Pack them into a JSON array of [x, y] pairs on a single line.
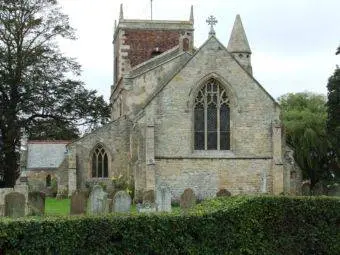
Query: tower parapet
[[136, 41]]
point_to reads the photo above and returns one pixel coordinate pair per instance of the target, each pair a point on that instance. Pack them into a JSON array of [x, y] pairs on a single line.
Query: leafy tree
[[338, 51], [35, 83], [304, 117], [333, 119]]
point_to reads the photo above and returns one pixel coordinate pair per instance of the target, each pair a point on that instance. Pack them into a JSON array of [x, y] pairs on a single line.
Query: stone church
[[185, 117]]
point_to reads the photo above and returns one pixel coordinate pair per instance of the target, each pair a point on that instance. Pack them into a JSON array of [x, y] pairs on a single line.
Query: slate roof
[[45, 154]]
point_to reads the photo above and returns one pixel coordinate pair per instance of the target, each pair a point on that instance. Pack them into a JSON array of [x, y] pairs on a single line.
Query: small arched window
[[99, 162], [48, 180], [185, 44], [211, 118]]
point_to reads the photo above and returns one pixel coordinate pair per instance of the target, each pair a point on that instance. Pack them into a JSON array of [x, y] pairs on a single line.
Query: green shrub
[[233, 225]]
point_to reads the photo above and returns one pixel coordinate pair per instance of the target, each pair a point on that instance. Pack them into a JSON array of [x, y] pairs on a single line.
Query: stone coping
[[153, 25], [211, 156]]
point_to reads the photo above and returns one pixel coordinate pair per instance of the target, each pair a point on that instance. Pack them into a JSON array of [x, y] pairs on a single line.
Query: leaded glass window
[[212, 118], [99, 162]]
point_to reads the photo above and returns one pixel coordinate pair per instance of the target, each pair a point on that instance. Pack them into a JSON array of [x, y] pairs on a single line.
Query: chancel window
[[99, 162], [212, 118]]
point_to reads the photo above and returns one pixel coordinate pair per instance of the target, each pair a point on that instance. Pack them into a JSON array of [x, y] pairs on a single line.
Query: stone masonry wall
[[207, 176], [115, 139], [143, 85], [143, 43], [253, 113], [252, 110], [37, 178]]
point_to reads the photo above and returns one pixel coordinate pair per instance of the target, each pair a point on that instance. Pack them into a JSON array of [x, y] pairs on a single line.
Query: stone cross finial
[[212, 22]]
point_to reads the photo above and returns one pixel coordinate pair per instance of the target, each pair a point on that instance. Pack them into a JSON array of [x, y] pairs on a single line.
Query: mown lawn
[[57, 206]]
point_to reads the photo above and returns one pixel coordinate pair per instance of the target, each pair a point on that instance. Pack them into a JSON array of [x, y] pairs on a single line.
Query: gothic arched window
[[99, 162], [212, 118]]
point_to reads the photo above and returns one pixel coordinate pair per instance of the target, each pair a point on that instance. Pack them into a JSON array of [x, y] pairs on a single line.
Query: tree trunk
[[10, 169], [11, 155]]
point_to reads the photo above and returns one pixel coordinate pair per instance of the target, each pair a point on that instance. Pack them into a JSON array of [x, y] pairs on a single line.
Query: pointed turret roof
[[191, 14], [121, 13], [238, 40]]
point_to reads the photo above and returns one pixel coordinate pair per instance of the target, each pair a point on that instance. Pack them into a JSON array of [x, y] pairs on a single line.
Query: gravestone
[[149, 196], [223, 193], [334, 190], [15, 205], [97, 202], [36, 202], [305, 189], [319, 189], [121, 202], [188, 199], [78, 202], [146, 207], [109, 205], [163, 198]]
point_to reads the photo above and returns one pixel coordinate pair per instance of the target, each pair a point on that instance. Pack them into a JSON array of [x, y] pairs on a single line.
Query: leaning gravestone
[[163, 198], [97, 202], [188, 199], [36, 202], [15, 205], [121, 202], [78, 202]]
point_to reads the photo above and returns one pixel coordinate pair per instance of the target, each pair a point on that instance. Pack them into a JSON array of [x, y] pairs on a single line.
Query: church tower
[[136, 41], [238, 45]]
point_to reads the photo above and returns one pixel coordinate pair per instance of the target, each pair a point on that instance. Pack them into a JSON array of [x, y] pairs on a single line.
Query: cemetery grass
[[57, 207], [61, 207]]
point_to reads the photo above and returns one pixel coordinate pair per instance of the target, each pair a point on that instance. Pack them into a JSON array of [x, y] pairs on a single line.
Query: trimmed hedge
[[236, 225]]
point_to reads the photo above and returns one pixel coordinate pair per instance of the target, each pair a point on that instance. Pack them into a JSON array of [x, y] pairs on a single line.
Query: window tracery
[[99, 162], [212, 118]]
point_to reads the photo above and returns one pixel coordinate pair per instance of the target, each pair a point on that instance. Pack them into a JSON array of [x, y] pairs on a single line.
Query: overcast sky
[[292, 41]]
